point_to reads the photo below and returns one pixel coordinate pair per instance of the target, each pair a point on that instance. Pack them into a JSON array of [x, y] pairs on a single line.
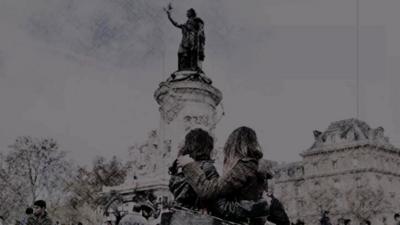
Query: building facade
[[351, 170]]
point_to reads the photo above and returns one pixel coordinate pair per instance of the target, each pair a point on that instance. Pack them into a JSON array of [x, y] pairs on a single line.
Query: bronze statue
[[191, 48]]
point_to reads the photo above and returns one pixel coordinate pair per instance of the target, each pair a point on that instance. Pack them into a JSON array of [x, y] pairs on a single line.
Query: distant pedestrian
[[341, 221], [1, 220], [28, 213], [299, 222], [365, 222], [397, 219], [40, 216], [135, 217], [325, 220]]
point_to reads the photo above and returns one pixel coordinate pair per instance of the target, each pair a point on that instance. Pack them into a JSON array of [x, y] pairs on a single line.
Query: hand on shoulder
[[267, 197], [184, 160]]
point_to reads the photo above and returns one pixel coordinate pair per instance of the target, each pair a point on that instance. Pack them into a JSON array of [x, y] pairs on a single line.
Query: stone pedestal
[[187, 101]]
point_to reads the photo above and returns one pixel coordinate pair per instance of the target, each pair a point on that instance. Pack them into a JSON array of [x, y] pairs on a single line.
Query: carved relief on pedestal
[[191, 121], [141, 161], [144, 157], [166, 154], [171, 110]]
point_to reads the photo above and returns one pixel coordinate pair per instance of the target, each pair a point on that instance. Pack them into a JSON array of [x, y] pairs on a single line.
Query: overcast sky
[[84, 71]]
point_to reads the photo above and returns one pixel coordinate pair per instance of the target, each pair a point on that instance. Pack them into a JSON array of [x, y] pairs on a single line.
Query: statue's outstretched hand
[[168, 9]]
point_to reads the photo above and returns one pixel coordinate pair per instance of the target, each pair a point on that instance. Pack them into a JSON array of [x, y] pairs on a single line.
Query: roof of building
[[349, 133]]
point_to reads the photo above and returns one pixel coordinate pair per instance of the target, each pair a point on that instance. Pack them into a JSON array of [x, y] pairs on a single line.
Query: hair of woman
[[241, 143]]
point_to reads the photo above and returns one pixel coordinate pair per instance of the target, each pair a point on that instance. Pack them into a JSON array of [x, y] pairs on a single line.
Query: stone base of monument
[[178, 216], [189, 75]]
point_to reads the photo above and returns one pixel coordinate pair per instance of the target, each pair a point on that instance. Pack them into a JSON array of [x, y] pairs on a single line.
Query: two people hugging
[[240, 193]]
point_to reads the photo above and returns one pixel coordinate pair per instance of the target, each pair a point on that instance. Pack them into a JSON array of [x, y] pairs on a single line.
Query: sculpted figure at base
[[191, 48]]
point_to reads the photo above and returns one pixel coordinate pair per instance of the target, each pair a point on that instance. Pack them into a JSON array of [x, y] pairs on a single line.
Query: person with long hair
[[240, 179]]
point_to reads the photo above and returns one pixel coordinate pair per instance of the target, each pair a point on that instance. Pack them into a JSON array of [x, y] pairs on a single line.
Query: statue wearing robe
[[191, 48]]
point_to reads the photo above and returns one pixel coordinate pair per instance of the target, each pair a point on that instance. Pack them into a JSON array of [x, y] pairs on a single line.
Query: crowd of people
[[36, 215], [240, 194], [325, 220]]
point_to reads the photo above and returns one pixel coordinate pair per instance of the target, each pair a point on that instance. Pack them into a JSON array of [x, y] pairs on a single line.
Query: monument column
[[186, 101]]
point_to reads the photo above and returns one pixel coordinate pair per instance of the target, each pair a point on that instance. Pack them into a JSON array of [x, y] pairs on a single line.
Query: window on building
[[358, 181], [300, 204], [355, 162], [315, 165], [291, 172], [334, 164]]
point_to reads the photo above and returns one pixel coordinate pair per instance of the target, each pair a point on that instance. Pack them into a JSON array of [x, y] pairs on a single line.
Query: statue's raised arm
[[191, 48], [168, 11]]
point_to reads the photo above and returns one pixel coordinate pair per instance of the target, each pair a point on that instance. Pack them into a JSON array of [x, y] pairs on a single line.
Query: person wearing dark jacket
[[40, 216], [325, 220], [239, 181], [1, 220], [277, 214], [198, 145], [397, 218], [28, 213]]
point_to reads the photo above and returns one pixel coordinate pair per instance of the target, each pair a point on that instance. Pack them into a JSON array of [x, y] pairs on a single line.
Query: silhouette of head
[[29, 211], [191, 13], [397, 217], [198, 145], [39, 207]]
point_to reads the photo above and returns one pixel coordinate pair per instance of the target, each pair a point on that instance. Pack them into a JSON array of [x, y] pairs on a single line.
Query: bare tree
[[324, 199], [365, 202], [111, 173], [33, 168], [12, 195], [85, 189], [40, 165]]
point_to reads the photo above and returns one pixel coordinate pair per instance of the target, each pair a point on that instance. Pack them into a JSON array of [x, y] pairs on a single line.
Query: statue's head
[[191, 13]]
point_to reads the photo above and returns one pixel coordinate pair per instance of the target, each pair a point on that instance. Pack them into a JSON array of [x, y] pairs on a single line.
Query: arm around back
[[231, 182]]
